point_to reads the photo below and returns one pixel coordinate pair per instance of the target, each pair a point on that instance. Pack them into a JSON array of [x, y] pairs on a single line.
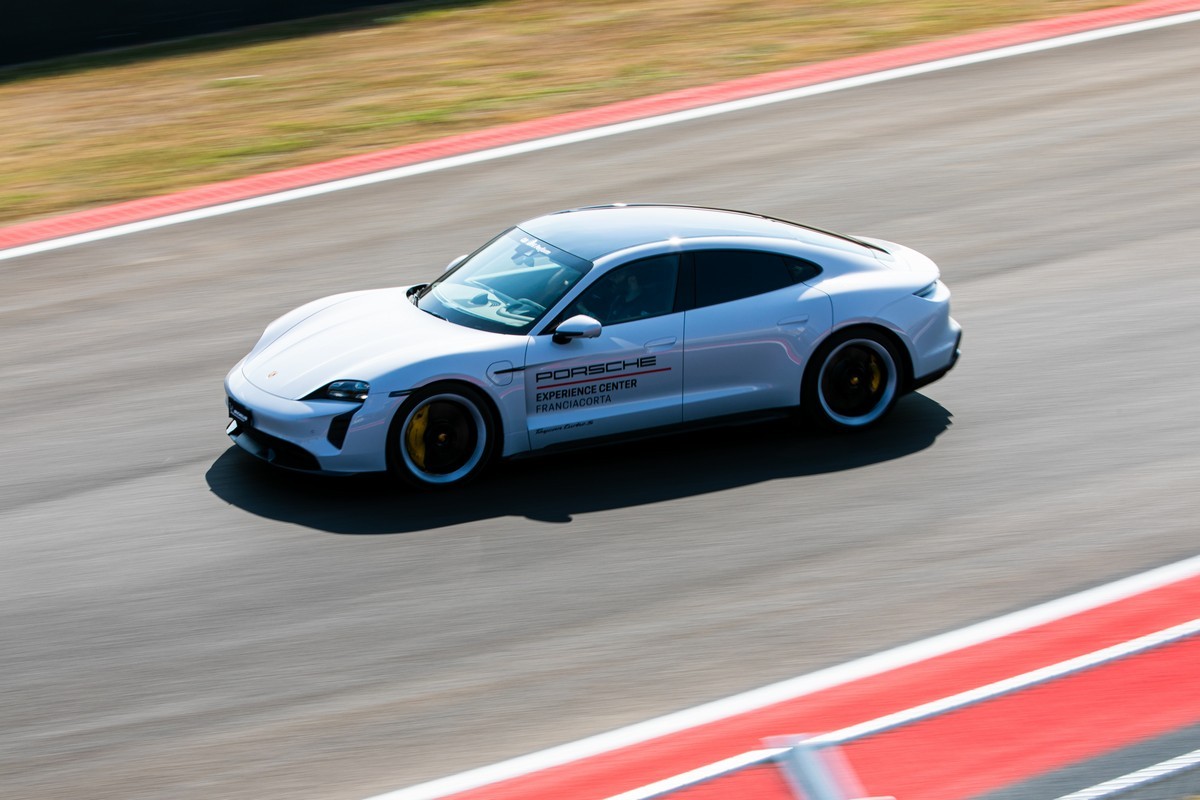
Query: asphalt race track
[[181, 622]]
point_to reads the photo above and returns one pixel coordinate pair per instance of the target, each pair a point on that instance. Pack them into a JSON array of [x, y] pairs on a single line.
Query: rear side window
[[801, 270], [725, 275]]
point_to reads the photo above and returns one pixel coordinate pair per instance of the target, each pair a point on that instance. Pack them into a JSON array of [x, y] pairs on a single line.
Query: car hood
[[356, 337]]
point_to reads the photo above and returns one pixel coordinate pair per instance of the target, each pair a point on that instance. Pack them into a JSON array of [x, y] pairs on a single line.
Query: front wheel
[[441, 437], [853, 381]]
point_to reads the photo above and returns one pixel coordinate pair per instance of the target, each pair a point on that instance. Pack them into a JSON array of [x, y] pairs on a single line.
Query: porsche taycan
[[594, 324]]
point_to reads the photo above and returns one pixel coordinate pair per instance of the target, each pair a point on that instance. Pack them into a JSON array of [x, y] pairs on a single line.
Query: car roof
[[595, 231]]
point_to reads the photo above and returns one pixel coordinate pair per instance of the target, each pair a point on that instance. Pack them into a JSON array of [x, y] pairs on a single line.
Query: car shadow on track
[[554, 488]]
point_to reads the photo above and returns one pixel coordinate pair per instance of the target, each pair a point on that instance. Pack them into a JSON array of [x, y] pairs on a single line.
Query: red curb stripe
[[1018, 737], [756, 783], [352, 166], [1011, 739]]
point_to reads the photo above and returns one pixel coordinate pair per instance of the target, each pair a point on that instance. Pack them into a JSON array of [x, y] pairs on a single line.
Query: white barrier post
[[816, 771]]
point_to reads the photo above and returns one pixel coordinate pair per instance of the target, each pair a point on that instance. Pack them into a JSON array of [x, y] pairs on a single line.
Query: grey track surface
[[179, 622]]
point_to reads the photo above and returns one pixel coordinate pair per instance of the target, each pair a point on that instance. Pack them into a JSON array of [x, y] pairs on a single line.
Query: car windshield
[[506, 286]]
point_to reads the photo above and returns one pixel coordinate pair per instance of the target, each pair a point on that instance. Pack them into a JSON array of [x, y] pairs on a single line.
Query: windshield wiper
[[415, 293]]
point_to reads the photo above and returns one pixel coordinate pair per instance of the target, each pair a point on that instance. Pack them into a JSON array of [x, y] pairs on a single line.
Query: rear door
[[628, 378], [749, 334]]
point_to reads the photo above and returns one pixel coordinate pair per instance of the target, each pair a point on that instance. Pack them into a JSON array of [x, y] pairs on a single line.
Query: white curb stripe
[[1009, 685], [702, 774], [596, 133]]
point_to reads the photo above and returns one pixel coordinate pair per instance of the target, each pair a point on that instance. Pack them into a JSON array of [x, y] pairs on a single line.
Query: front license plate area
[[239, 413]]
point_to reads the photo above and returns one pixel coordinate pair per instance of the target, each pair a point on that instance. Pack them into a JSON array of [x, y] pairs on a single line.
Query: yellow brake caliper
[[876, 375], [414, 437]]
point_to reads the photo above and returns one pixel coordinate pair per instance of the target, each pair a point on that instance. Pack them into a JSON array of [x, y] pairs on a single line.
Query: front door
[[628, 378]]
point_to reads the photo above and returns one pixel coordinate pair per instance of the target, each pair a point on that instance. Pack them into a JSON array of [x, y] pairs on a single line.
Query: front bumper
[[309, 435]]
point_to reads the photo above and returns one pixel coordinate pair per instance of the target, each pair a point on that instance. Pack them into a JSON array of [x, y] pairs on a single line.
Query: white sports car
[[592, 324]]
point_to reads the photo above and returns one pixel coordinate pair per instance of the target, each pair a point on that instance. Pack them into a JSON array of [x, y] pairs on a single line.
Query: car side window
[[639, 290], [725, 275]]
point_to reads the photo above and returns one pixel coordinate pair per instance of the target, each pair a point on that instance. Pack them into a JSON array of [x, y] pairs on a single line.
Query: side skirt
[[749, 418]]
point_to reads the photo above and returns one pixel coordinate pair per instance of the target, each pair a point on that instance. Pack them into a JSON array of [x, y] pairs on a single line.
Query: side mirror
[[580, 326], [455, 262]]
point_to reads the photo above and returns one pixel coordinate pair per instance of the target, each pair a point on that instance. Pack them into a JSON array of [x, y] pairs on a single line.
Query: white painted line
[[1008, 685], [805, 684], [597, 133], [1140, 778]]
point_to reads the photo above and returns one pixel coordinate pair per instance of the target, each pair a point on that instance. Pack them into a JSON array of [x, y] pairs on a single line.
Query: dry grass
[[89, 131]]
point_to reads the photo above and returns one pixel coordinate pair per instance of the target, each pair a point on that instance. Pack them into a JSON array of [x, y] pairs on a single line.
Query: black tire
[[442, 436], [852, 381]]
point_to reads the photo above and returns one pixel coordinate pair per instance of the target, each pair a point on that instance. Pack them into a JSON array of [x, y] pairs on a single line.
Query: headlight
[[351, 391]]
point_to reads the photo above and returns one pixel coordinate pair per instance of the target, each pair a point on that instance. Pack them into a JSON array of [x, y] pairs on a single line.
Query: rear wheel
[[442, 436], [853, 381]]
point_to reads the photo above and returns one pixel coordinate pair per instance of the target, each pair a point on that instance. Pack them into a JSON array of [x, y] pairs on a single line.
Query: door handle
[[800, 320], [660, 344]]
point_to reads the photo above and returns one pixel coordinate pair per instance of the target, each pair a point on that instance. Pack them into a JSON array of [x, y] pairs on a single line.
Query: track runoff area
[[947, 718], [230, 197]]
